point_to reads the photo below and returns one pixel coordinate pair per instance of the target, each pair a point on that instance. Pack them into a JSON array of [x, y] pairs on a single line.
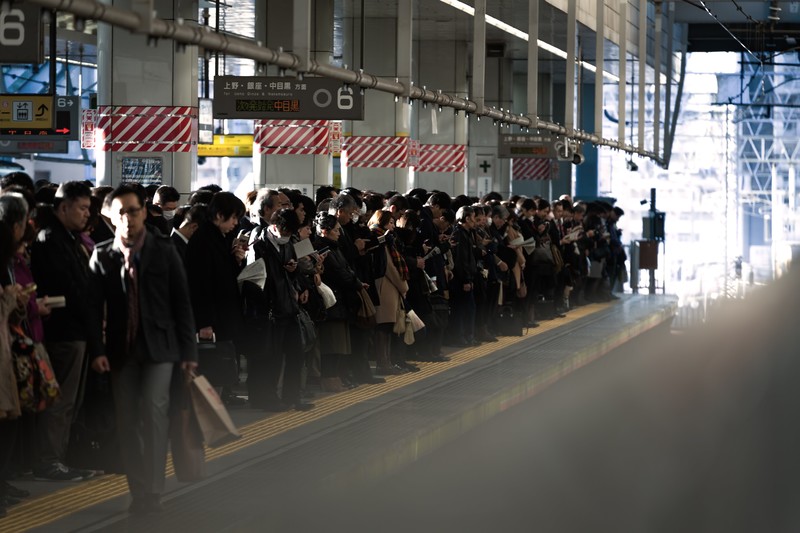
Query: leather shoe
[[409, 367], [370, 380], [303, 406], [434, 359], [149, 504], [8, 501], [11, 490], [276, 407]]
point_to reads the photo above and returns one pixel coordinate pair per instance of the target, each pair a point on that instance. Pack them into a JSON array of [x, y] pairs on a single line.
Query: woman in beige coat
[[391, 284]]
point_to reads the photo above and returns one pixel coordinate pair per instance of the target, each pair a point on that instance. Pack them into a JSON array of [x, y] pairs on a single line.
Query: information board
[[26, 111], [250, 97], [205, 121], [240, 145], [66, 124], [33, 146], [533, 146], [144, 170]]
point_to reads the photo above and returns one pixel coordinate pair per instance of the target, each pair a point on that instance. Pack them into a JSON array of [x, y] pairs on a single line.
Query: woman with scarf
[[391, 282]]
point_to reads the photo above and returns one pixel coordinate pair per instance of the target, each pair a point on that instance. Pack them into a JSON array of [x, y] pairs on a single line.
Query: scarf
[[130, 252], [397, 259]]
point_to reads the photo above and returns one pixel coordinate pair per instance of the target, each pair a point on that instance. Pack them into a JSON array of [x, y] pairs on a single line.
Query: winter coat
[[391, 288]]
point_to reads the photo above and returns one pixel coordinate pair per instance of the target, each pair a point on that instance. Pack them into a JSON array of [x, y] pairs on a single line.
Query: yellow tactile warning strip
[[48, 508]]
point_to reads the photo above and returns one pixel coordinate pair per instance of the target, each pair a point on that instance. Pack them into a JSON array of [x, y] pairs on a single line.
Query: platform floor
[[350, 438]]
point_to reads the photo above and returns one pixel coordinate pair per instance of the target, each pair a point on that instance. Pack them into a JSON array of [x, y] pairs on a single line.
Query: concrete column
[[380, 58], [133, 70], [586, 173], [443, 64], [403, 179], [305, 172]]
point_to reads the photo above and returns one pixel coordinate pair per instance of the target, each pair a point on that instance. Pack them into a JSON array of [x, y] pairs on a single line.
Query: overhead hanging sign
[[33, 146], [227, 146], [21, 34], [26, 111], [533, 146], [252, 97], [65, 126]]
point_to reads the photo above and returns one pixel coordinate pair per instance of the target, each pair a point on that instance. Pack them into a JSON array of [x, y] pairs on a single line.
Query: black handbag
[[308, 333], [507, 322], [218, 362]]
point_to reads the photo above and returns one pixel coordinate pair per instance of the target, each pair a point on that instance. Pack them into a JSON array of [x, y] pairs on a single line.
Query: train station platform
[[258, 483]]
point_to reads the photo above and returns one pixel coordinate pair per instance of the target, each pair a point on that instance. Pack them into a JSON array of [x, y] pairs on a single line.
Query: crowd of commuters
[[124, 282]]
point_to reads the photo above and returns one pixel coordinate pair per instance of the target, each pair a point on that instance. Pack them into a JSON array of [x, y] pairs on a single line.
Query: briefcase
[[218, 362]]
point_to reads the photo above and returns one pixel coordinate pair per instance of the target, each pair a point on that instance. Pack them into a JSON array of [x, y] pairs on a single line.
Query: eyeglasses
[[131, 211]]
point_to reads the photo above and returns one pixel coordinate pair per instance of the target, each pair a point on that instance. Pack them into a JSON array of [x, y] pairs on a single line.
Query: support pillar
[[309, 33], [586, 173], [135, 70]]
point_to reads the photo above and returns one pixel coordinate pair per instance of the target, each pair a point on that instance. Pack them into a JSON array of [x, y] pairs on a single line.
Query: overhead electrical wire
[[724, 27]]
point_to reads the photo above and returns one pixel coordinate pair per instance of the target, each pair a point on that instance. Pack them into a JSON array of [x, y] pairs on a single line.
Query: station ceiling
[[712, 25]]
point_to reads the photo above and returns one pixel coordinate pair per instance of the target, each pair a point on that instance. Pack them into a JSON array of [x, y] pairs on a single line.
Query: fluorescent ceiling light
[[499, 24]]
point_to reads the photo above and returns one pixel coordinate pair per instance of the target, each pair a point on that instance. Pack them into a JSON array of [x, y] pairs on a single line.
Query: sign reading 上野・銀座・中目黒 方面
[[527, 146], [252, 97]]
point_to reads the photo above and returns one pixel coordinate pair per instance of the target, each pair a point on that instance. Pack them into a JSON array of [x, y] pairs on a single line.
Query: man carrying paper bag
[[140, 281]]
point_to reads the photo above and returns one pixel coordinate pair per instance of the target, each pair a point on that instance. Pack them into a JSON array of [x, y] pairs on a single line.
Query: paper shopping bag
[[416, 322], [213, 418], [186, 438]]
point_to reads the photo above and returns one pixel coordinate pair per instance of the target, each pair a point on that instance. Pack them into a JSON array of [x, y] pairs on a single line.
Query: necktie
[[133, 299]]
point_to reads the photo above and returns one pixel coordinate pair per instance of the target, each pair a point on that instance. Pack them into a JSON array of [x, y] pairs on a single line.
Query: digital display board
[[524, 145], [263, 97], [268, 106]]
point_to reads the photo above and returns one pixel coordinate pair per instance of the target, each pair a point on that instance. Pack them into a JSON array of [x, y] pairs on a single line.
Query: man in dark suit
[[150, 327], [190, 219], [60, 268]]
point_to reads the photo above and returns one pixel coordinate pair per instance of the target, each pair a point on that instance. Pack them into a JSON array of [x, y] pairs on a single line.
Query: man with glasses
[[139, 279]]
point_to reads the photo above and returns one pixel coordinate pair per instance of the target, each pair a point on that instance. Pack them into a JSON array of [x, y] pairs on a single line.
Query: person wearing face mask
[[391, 283], [167, 198], [283, 355]]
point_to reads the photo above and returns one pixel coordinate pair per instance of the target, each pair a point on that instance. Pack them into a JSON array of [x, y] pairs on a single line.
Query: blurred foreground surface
[[691, 433]]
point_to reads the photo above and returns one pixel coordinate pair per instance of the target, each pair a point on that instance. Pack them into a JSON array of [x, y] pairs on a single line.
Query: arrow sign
[[63, 130], [26, 111]]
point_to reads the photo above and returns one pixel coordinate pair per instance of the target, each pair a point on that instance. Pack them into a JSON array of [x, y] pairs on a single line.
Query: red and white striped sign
[[292, 137], [526, 168], [336, 137], [442, 158], [88, 126], [413, 152], [377, 152], [147, 128]]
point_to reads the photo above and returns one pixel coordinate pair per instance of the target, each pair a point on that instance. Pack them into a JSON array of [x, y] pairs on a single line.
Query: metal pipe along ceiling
[[190, 33]]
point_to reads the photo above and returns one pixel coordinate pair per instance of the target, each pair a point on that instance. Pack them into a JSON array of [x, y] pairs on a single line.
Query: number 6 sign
[[21, 34]]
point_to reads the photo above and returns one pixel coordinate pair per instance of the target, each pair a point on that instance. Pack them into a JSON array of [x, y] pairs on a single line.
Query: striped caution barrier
[[442, 158], [147, 128], [377, 152], [526, 168], [292, 137]]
